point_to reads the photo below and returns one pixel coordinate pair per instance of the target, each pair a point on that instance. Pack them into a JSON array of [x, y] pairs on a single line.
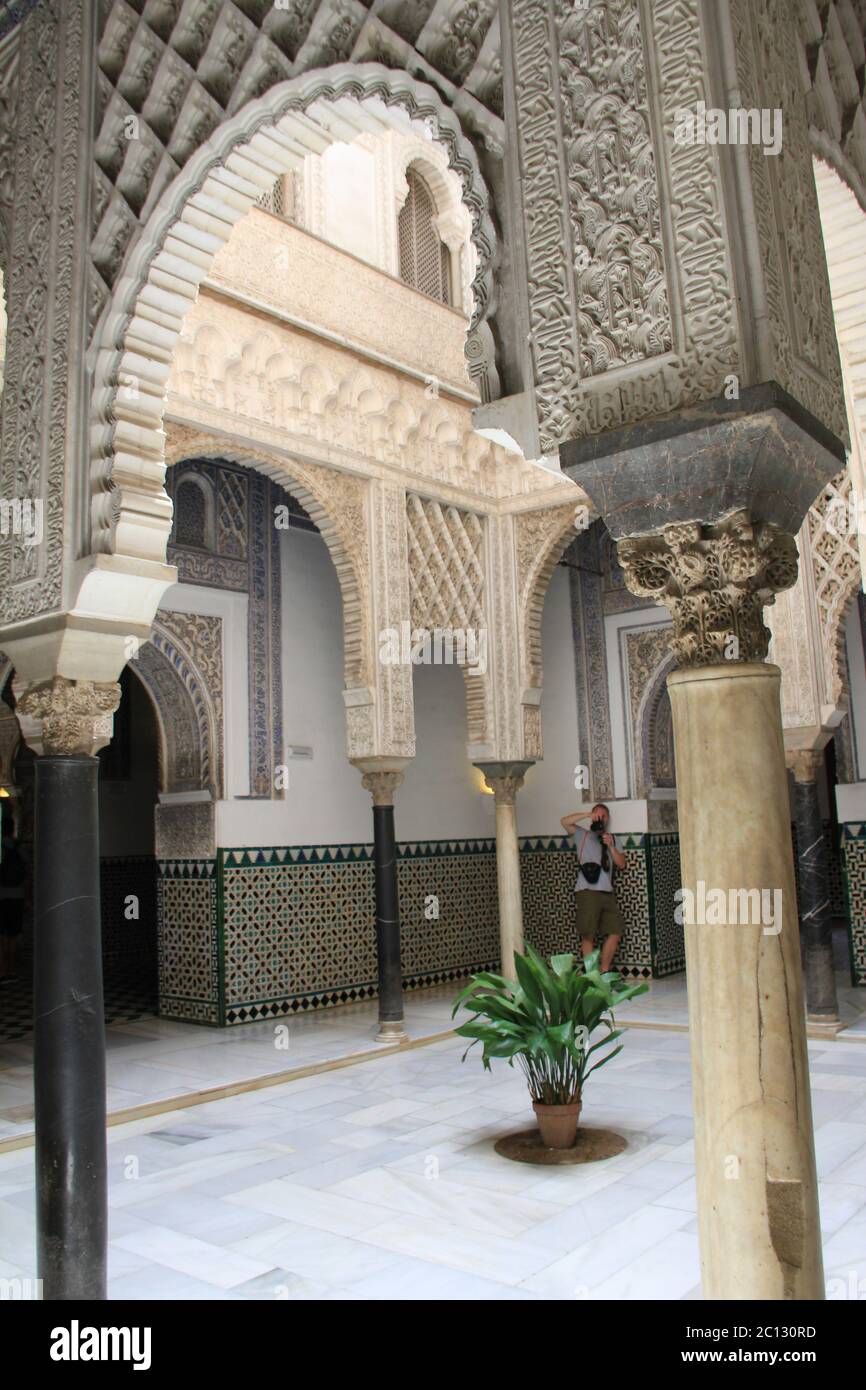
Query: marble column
[[505, 780], [69, 1021], [815, 929], [382, 783], [754, 1148]]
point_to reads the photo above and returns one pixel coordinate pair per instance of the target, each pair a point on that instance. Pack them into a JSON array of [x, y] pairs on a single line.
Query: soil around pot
[[590, 1146]]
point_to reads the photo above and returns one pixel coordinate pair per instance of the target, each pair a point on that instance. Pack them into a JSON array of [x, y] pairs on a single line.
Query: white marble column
[[505, 781]]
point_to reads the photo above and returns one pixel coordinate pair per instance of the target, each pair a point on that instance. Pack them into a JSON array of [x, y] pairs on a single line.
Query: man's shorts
[[598, 914]]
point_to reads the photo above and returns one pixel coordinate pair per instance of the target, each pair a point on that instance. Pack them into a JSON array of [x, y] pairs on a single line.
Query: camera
[[597, 825]]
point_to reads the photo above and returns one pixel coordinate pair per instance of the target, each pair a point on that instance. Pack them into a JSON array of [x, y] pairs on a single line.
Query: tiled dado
[[263, 933], [190, 954], [853, 839]]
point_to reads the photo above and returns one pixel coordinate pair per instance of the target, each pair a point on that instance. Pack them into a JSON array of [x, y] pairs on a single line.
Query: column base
[[393, 1032]]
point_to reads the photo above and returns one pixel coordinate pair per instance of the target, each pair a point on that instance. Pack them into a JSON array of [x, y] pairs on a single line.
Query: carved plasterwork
[[336, 502], [831, 35], [233, 371], [188, 702], [447, 573], [193, 218], [835, 559], [647, 661], [540, 539], [39, 176], [803, 351], [446, 565], [715, 580], [632, 310], [390, 583]]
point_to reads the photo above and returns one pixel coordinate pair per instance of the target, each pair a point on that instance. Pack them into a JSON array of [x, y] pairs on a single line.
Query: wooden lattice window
[[424, 260], [190, 509]]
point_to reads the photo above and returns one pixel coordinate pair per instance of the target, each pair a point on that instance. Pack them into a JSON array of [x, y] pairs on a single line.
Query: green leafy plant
[[546, 1019]]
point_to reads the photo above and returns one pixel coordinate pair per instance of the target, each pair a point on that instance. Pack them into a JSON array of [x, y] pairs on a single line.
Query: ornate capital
[[382, 786], [75, 716], [805, 763], [504, 779], [715, 580], [504, 789]]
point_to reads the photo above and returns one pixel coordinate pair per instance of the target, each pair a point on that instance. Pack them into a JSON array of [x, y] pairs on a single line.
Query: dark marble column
[[815, 928], [69, 1033], [382, 784]]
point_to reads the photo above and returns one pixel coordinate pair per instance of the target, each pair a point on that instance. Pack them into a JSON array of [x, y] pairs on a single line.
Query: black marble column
[[815, 928], [382, 784], [69, 1032]]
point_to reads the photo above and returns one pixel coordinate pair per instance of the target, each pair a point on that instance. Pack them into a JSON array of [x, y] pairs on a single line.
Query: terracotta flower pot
[[558, 1123]]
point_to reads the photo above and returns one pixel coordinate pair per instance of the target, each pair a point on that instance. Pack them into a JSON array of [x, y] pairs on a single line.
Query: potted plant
[[546, 1019]]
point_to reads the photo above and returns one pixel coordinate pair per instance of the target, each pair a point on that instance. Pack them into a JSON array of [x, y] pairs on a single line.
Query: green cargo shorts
[[598, 914]]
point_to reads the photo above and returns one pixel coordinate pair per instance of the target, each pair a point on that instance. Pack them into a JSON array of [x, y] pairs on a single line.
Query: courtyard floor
[[378, 1180]]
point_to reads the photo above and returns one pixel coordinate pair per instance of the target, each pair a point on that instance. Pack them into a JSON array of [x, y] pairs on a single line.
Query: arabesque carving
[[715, 580]]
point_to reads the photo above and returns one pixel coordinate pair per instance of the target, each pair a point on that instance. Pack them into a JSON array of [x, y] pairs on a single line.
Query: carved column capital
[[381, 777], [715, 579], [805, 763], [382, 786], [71, 718], [504, 780]]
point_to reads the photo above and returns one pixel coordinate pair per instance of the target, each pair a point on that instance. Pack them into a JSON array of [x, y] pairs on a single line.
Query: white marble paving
[[381, 1182]]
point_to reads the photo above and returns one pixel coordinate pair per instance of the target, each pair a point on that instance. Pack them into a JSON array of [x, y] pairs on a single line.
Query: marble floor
[[379, 1181], [152, 1061]]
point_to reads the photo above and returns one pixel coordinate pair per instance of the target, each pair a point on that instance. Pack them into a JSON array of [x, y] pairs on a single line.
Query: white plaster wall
[[324, 802], [350, 201]]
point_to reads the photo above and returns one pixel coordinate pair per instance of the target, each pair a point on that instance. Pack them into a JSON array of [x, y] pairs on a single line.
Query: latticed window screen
[[279, 198], [190, 525], [423, 257]]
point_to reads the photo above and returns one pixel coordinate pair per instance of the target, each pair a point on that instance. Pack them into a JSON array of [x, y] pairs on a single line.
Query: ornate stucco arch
[[337, 503], [188, 722], [172, 252], [541, 539], [837, 520]]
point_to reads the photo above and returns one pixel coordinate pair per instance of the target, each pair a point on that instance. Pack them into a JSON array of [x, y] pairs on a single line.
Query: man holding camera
[[598, 912]]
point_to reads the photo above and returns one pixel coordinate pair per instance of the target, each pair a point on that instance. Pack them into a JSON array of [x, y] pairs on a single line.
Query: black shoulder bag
[[592, 872]]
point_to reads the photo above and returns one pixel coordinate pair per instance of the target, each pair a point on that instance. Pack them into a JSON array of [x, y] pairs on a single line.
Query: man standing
[[598, 912]]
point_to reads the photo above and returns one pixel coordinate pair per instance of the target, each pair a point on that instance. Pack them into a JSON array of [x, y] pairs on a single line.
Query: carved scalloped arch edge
[[114, 340], [306, 483]]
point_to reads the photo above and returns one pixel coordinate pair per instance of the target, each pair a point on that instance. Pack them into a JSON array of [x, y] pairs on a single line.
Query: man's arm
[[569, 822], [616, 854]]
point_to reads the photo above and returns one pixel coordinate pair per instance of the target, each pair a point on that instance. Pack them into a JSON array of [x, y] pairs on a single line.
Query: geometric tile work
[[299, 924], [854, 857], [189, 946], [296, 935], [265, 933], [458, 933], [665, 877]]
